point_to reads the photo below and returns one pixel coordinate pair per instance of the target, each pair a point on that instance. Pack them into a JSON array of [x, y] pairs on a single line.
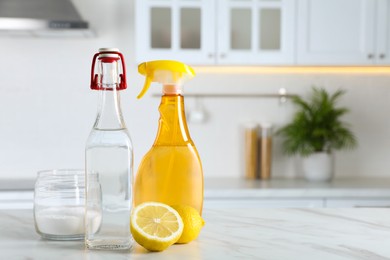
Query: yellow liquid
[[171, 172], [170, 175]]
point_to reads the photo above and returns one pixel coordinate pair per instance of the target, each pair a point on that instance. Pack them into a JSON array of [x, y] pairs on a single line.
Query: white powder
[[65, 220]]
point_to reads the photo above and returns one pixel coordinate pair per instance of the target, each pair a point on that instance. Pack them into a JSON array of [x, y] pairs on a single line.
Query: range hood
[[51, 18]]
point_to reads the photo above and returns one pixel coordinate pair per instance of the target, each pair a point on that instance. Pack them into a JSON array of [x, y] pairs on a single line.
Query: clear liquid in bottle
[[110, 162]]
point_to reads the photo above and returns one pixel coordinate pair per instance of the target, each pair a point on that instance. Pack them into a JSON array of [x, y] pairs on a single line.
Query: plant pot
[[318, 166]]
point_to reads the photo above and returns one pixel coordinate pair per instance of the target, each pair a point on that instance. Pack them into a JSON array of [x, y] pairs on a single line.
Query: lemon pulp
[[155, 226]]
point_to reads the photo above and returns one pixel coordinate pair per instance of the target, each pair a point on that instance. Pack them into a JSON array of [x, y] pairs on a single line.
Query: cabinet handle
[[370, 56], [223, 55], [382, 55], [211, 55]]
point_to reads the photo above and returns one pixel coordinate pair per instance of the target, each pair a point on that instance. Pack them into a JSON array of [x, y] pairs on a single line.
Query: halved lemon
[[155, 226]]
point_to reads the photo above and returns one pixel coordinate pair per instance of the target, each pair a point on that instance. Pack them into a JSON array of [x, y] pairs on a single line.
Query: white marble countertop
[[297, 188], [231, 234]]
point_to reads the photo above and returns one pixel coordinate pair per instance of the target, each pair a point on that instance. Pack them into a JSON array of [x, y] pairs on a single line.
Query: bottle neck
[[172, 129], [109, 116]]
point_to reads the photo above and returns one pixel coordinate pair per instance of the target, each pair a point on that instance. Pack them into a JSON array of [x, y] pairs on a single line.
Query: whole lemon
[[192, 221]]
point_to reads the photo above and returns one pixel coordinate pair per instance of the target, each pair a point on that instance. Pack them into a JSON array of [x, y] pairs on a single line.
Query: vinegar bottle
[[171, 172], [109, 160]]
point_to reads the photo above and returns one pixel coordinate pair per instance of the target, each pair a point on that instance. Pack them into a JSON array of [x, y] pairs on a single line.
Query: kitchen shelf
[[282, 95], [217, 95]]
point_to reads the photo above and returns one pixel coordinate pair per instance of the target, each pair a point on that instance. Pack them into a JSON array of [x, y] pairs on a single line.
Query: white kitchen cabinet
[[262, 203], [256, 32], [343, 32], [264, 32], [358, 203], [210, 32], [383, 32], [175, 29]]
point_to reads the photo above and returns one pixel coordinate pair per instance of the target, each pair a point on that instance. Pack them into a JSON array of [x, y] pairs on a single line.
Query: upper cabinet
[[382, 53], [264, 32], [175, 29], [255, 32], [210, 32], [343, 32]]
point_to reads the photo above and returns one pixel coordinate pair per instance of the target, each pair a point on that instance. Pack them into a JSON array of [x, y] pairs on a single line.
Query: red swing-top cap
[[108, 55]]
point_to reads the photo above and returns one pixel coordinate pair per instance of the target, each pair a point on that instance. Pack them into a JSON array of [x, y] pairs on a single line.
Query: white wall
[[47, 109]]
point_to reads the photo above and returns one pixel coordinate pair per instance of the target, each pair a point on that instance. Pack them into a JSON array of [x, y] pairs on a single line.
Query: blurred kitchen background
[[47, 109]]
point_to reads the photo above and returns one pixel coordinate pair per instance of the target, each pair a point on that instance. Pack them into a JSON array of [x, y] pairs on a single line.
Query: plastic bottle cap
[[170, 73], [108, 54]]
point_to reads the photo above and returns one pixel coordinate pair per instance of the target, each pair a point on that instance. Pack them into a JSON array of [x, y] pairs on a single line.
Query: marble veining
[[231, 234]]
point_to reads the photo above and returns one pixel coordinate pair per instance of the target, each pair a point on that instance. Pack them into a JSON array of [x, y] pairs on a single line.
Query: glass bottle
[[109, 160]]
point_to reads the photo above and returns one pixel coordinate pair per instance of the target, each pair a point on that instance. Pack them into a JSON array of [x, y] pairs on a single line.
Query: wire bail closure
[[94, 77]]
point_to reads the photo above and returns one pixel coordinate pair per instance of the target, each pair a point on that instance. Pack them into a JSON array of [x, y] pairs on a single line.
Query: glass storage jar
[[59, 204]]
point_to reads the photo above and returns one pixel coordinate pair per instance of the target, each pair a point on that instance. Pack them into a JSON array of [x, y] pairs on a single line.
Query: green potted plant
[[316, 131]]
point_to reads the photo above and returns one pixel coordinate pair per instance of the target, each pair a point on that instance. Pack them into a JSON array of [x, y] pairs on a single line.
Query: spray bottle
[[171, 172]]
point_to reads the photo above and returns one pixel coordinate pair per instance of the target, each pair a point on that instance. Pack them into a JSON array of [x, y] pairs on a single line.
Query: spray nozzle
[[172, 74]]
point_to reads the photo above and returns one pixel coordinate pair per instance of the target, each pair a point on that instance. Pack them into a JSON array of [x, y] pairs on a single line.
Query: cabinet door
[[336, 32], [175, 29], [383, 32], [358, 203], [257, 32]]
